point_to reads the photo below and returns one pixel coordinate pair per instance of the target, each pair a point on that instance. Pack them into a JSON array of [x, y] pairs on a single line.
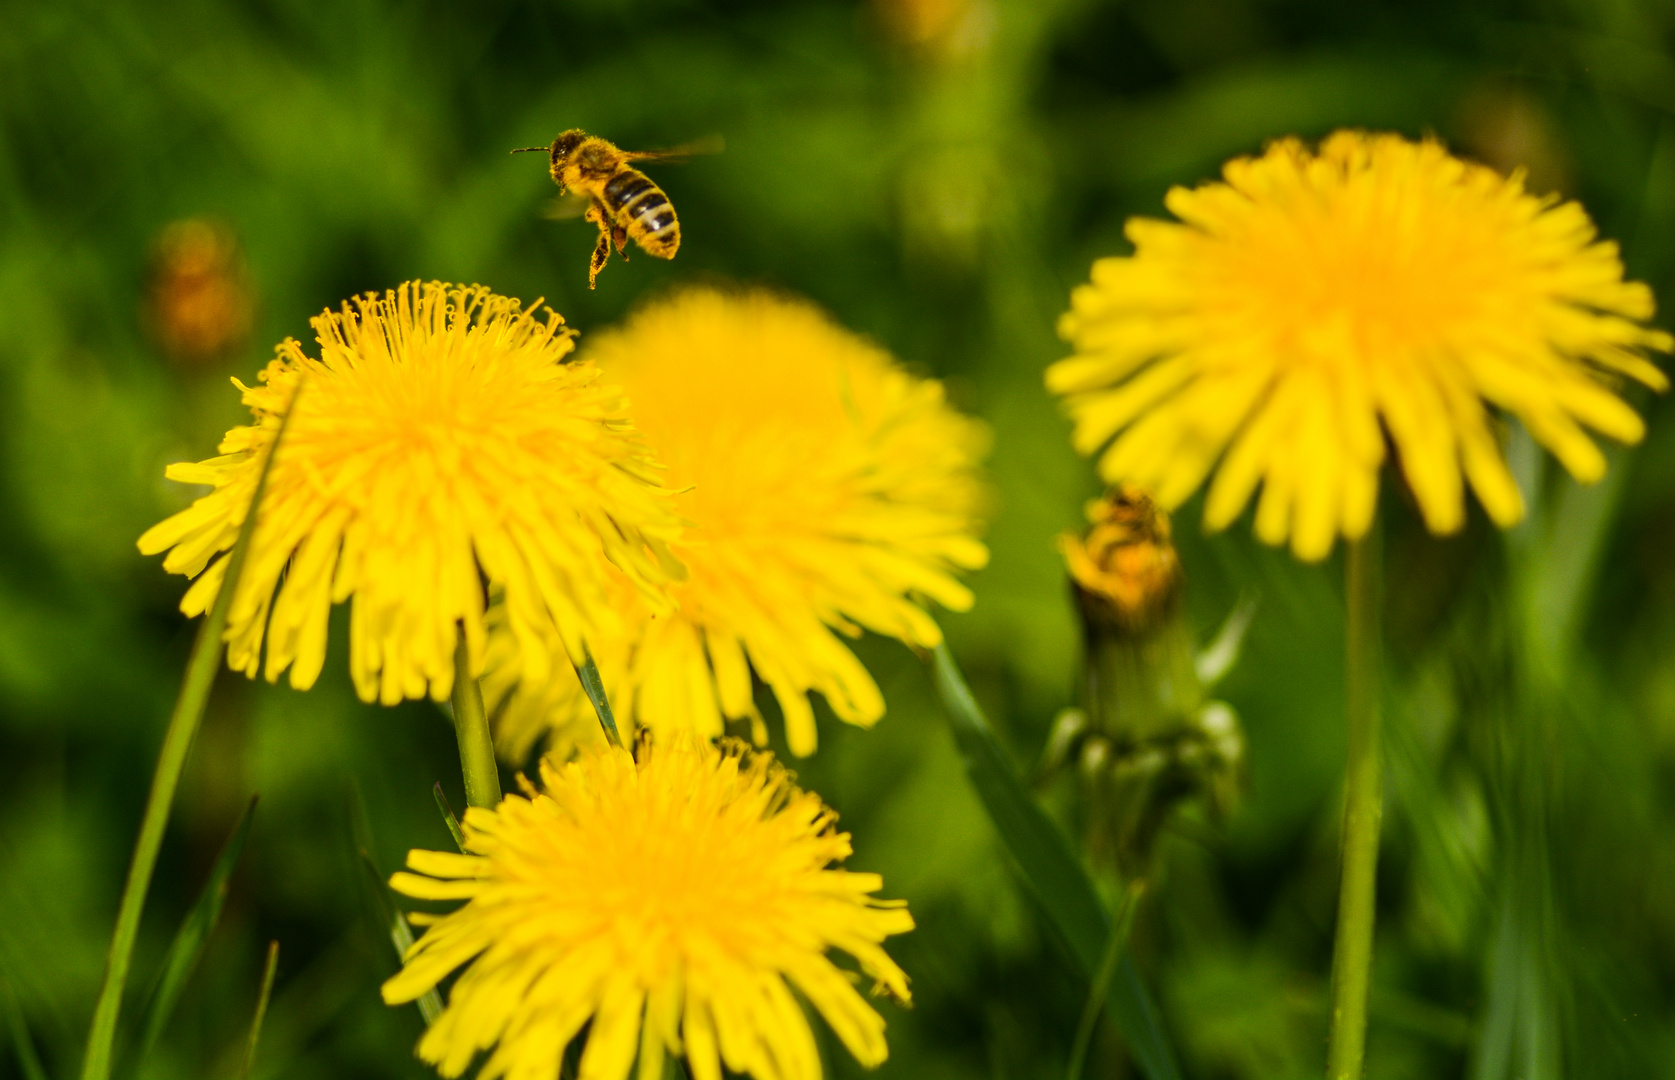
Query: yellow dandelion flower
[[674, 901], [824, 489], [440, 439], [1314, 302]]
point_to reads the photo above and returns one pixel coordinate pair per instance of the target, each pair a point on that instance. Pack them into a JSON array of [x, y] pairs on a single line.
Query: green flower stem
[[588, 672], [201, 669], [1352, 953], [471, 725]]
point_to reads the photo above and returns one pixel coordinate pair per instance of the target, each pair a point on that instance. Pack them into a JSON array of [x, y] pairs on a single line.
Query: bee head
[[565, 145]]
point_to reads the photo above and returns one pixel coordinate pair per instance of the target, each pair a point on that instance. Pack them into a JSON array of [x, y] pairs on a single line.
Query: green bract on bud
[[1146, 738]]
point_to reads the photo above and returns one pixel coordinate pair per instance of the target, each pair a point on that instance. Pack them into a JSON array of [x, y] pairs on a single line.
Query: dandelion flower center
[[1406, 267], [441, 438], [1313, 303], [673, 901]]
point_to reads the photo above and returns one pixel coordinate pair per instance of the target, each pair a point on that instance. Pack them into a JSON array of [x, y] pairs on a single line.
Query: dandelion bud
[[1124, 571], [1146, 739]]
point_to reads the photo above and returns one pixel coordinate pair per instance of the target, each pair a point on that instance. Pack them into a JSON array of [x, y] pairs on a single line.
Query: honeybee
[[619, 198]]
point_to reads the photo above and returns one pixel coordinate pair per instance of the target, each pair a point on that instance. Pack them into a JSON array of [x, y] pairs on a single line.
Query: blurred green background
[[938, 174]]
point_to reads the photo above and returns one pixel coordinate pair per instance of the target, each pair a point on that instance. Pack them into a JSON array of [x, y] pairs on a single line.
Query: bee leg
[[620, 236], [601, 254], [601, 250]]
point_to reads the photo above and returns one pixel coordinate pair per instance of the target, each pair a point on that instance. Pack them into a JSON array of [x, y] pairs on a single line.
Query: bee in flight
[[619, 198]]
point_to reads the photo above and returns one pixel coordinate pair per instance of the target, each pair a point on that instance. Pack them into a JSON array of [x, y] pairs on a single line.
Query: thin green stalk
[[471, 725], [201, 669], [588, 672], [262, 997], [1352, 953], [1120, 927]]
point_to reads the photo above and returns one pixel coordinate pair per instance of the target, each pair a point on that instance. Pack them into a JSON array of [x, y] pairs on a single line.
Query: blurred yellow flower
[[1314, 302], [824, 489], [199, 302], [439, 440], [674, 902]]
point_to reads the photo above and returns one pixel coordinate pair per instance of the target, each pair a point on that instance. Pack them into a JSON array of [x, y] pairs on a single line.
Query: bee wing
[[565, 207], [709, 144]]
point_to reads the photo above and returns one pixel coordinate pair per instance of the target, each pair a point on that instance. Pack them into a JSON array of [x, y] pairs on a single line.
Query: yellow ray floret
[[1314, 303], [674, 901], [440, 439], [825, 489]]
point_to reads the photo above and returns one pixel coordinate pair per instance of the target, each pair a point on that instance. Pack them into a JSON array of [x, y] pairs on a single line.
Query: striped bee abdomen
[[654, 225], [644, 210], [624, 187]]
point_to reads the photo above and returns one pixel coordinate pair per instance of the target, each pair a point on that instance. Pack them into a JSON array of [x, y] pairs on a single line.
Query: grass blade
[[1051, 870], [189, 941], [448, 817], [385, 909], [1101, 984], [28, 1062], [401, 933], [268, 972], [201, 669], [588, 672]]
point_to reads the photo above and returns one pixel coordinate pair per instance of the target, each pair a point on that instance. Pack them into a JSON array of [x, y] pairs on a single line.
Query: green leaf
[[1218, 658], [189, 941], [28, 1062], [1051, 870], [262, 996]]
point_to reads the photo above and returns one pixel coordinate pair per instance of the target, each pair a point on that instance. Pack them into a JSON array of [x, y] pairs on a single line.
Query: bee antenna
[[532, 150]]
